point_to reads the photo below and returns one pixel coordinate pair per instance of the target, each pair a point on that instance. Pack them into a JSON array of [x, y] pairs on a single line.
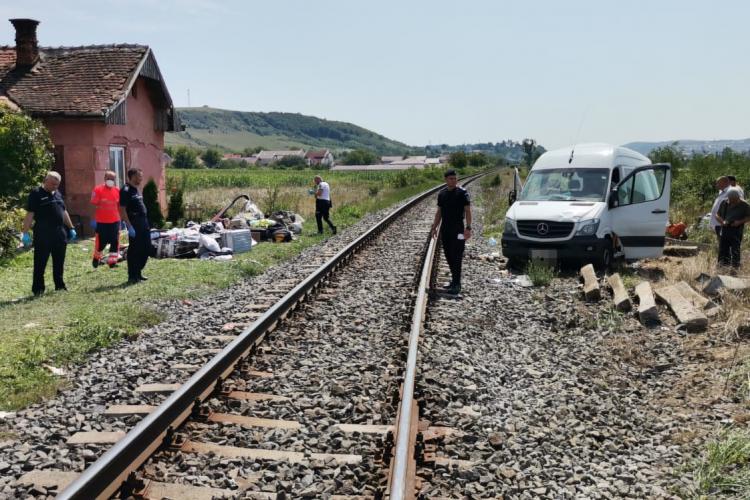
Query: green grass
[[494, 197], [60, 328], [540, 273], [725, 466], [231, 140]]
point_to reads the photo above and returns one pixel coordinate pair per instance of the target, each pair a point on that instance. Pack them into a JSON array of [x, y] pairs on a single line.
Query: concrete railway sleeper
[[301, 412]]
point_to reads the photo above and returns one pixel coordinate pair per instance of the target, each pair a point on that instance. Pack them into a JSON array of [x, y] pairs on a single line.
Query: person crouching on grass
[[734, 213], [106, 199]]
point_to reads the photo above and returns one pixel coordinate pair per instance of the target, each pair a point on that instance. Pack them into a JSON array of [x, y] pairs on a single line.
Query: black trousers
[[322, 209], [454, 254], [139, 250], [729, 246], [43, 249], [107, 234]]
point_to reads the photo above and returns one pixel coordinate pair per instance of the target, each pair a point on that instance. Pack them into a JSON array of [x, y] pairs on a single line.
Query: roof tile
[[71, 81]]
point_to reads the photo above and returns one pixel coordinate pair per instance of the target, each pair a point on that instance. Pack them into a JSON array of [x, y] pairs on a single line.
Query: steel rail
[[108, 474], [400, 478]]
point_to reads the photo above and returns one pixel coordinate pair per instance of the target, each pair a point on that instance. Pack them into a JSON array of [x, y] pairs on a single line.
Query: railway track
[[300, 398]]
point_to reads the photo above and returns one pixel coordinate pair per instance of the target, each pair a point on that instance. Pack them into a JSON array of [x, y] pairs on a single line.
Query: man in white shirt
[[722, 184], [733, 183], [323, 204]]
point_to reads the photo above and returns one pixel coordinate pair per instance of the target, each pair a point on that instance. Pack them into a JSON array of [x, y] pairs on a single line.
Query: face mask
[[109, 183]]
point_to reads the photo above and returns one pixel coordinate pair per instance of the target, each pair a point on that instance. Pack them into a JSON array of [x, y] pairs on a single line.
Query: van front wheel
[[604, 261]]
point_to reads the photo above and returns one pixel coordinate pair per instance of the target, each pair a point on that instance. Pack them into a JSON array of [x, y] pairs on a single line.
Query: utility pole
[[188, 98]]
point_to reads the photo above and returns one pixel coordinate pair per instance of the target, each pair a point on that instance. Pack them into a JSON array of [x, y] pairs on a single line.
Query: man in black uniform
[[734, 213], [453, 205], [46, 208], [133, 212]]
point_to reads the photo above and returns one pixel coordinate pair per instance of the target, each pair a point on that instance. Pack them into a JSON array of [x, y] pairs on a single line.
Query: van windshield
[[566, 184]]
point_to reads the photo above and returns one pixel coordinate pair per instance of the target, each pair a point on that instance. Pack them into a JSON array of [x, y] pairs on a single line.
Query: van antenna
[[578, 134]]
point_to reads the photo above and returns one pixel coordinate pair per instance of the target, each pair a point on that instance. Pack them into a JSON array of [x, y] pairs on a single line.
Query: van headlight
[[587, 227], [510, 227]]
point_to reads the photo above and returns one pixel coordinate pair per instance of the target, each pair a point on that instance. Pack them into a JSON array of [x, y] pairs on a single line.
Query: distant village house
[[322, 158], [106, 107], [268, 157]]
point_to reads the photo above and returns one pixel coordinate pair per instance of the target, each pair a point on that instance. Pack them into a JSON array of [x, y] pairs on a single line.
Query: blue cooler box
[[239, 240]]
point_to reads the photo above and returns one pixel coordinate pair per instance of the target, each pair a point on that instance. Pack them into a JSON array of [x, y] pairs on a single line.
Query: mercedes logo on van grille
[[542, 228]]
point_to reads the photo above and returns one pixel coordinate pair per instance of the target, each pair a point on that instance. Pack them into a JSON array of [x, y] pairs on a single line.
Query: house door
[[639, 208]]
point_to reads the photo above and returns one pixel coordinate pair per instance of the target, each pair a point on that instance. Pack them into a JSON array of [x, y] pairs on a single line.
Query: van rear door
[[640, 210]]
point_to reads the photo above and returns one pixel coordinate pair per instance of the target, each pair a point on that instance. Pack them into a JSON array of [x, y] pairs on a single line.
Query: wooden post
[[621, 298], [590, 283], [685, 312], [647, 311]]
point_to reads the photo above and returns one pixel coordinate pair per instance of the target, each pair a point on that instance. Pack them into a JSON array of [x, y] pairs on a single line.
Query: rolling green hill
[[237, 130]]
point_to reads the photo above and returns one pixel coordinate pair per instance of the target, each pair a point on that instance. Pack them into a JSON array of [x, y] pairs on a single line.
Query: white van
[[591, 203]]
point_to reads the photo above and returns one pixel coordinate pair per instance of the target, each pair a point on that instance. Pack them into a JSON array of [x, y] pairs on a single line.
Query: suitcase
[[236, 239]]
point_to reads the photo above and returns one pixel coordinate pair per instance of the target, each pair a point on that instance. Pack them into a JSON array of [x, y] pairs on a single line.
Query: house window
[[117, 163]]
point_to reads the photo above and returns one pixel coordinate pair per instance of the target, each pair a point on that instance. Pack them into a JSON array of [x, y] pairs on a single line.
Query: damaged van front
[[589, 203]]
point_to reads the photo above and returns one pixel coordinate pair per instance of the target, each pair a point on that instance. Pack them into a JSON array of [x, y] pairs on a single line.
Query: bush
[[25, 153], [540, 273], [11, 221], [359, 157], [176, 206], [184, 157], [295, 162], [151, 200], [458, 159], [211, 157]]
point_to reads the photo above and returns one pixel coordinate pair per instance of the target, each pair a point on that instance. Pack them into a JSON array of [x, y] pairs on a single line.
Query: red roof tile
[[71, 81]]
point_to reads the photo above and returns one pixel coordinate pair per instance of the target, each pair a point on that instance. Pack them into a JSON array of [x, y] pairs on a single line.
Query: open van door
[[639, 207], [517, 187]]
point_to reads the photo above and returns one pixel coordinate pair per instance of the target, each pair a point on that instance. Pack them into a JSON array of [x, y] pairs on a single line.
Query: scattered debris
[[590, 283], [700, 302], [647, 310], [55, 371], [621, 298], [719, 282], [687, 314], [680, 250]]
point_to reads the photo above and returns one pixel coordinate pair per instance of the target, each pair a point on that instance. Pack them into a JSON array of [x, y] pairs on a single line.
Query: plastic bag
[[209, 243]]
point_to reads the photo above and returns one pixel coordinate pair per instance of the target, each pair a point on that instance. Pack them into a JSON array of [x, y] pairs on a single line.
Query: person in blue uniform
[[133, 212], [52, 231], [454, 205]]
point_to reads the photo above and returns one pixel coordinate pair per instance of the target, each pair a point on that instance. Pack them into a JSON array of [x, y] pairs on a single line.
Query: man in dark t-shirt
[[52, 230], [733, 214], [133, 212], [453, 206]]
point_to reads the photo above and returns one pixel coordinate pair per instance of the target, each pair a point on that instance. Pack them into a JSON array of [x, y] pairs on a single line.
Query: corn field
[[191, 180]]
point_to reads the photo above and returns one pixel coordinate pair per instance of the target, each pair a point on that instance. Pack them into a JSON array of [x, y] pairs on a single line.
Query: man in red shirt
[[106, 199]]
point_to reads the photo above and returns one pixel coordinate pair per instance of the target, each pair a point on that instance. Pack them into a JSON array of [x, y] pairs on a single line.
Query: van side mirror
[[613, 202], [512, 197]]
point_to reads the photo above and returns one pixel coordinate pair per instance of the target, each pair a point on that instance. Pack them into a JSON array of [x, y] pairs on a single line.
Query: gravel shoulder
[[34, 438], [557, 398]]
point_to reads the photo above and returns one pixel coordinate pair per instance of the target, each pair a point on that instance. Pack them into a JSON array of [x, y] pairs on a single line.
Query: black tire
[[606, 255]]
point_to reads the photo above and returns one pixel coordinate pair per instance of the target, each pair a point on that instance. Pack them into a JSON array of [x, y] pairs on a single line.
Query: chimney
[[27, 50]]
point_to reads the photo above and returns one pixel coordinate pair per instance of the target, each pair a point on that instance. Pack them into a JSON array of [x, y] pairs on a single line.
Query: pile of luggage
[[223, 237]]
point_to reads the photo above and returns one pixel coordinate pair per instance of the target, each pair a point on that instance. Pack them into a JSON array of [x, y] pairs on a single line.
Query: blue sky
[[438, 71]]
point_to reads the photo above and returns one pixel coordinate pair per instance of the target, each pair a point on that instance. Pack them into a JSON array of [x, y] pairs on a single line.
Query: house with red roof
[[107, 107], [321, 157]]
